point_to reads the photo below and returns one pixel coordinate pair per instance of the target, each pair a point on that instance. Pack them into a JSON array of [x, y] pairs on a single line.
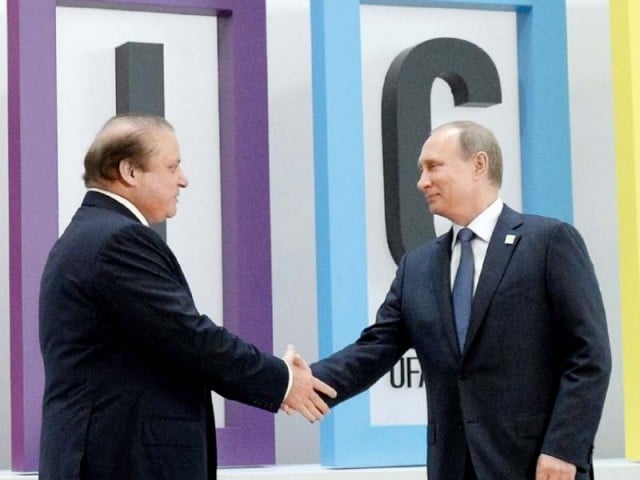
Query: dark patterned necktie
[[463, 286]]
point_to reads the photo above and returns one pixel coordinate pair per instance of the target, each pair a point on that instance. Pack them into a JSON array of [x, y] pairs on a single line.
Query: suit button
[[463, 376]]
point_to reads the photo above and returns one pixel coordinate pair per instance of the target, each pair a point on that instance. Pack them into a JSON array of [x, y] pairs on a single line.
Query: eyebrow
[[425, 161]]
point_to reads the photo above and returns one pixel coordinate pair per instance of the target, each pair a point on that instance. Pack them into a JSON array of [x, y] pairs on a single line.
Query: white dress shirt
[[482, 226], [123, 201]]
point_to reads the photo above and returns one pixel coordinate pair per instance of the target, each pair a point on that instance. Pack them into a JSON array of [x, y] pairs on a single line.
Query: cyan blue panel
[[347, 437]]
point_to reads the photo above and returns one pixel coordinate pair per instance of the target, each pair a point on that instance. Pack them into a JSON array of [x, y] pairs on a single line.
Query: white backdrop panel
[[382, 41], [86, 43]]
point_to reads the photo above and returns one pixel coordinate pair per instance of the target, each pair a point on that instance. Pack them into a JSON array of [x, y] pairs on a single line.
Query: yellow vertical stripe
[[625, 38]]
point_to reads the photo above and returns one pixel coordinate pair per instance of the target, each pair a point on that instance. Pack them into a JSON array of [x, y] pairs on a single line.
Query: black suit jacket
[[534, 371], [129, 361]]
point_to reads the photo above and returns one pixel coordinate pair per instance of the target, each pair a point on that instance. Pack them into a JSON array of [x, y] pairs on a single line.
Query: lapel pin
[[509, 239]]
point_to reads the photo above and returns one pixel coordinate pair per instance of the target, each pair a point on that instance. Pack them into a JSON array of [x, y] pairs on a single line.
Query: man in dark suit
[[517, 366], [129, 361]]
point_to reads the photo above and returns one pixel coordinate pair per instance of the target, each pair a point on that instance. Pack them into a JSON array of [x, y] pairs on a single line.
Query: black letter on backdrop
[[140, 86], [406, 122]]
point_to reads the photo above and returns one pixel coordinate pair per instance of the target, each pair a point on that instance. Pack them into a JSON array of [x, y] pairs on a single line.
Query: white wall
[[292, 202], [594, 183], [292, 206]]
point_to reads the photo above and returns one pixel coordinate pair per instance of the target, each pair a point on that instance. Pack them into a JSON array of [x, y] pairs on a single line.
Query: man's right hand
[[303, 396]]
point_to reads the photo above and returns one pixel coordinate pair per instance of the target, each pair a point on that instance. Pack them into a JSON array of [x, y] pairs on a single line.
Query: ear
[[127, 171], [480, 164]]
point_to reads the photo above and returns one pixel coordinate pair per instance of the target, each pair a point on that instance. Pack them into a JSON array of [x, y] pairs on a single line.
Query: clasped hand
[[304, 394]]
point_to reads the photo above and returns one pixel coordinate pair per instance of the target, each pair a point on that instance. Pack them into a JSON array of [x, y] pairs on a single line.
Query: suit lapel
[[503, 243], [441, 286]]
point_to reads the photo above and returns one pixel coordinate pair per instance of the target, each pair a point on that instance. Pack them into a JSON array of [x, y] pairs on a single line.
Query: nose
[[183, 182], [424, 181]]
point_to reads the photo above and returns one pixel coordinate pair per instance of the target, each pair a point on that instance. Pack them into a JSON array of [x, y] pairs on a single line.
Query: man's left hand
[[552, 468]]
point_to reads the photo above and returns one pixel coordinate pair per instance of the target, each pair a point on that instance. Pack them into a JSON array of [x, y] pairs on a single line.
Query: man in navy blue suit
[[517, 366], [129, 361]]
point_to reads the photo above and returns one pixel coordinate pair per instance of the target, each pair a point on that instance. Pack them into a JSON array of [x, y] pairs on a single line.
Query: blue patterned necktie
[[463, 286]]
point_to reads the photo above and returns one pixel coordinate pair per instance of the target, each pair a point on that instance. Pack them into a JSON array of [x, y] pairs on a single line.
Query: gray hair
[[474, 138]]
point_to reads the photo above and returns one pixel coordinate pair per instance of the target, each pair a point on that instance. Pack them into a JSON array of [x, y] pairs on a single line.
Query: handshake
[[303, 396]]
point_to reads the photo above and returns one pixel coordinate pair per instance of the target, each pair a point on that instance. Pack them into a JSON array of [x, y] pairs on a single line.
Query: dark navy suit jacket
[[535, 367], [130, 362]]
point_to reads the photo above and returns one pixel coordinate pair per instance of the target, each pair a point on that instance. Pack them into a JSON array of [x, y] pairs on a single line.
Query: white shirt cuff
[[290, 383]]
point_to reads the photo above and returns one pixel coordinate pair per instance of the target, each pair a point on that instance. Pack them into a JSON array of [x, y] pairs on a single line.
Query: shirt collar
[[123, 201], [484, 224]]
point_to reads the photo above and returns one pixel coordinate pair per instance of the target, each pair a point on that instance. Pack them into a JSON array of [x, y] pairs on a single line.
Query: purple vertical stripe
[[245, 191], [32, 207]]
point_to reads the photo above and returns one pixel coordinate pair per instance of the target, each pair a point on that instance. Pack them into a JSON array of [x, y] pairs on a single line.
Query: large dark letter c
[[406, 122]]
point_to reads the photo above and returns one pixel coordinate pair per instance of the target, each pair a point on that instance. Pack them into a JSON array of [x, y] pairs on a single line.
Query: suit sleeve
[[358, 366], [582, 343], [146, 299]]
